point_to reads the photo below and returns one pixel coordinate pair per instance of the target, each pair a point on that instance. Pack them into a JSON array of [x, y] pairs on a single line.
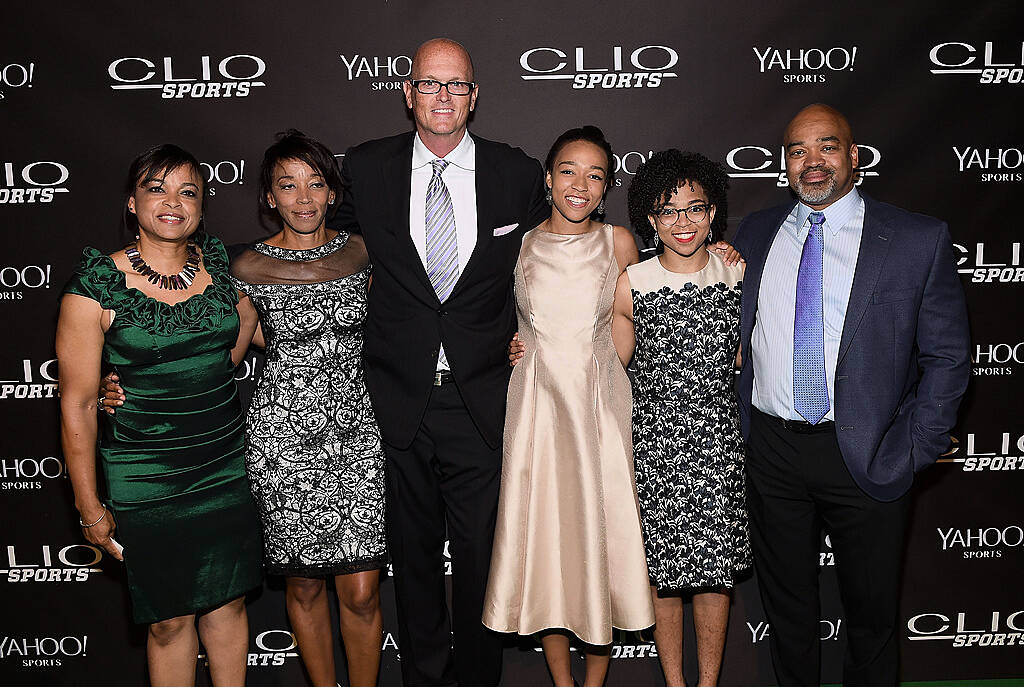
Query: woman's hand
[[111, 394], [100, 533], [729, 254], [516, 350]]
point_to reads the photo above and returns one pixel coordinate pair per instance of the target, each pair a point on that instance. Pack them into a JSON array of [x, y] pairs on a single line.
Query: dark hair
[[295, 145], [155, 164], [662, 174], [590, 134]]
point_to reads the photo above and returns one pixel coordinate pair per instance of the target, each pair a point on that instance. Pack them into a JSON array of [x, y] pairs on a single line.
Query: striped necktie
[[442, 246], [810, 389]]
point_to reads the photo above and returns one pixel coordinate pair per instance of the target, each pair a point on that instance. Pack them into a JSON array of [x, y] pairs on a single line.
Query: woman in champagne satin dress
[[568, 554]]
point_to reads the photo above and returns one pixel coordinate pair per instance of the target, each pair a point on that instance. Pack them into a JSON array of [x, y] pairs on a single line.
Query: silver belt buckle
[[437, 378]]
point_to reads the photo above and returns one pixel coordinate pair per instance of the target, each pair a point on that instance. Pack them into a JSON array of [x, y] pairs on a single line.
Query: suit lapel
[[488, 185], [398, 175], [875, 239], [755, 266]]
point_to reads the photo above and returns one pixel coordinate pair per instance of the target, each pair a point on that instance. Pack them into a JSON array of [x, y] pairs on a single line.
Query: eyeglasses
[[430, 86], [669, 216]]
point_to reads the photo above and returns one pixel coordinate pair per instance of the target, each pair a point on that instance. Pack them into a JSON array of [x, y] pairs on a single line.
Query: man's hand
[[730, 255], [516, 350], [111, 394]]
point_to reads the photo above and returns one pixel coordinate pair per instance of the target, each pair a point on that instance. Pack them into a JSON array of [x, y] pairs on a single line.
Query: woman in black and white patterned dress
[[682, 311], [313, 449]]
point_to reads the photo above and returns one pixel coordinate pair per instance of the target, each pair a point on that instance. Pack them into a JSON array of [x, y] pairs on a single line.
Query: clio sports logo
[[989, 263], [987, 452], [32, 182], [646, 66], [964, 629], [233, 76], [990, 62], [760, 162]]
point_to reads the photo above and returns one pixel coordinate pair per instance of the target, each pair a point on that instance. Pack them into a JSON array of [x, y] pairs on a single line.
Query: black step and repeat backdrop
[[934, 93]]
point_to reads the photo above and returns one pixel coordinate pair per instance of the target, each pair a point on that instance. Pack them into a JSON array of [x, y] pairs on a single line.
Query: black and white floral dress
[[313, 448], [686, 430]]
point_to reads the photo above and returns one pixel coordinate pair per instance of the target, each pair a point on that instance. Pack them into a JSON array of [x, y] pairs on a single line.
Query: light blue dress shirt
[[771, 342]]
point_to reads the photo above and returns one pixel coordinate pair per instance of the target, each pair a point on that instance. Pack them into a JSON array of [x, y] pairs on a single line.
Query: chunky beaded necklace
[[181, 280]]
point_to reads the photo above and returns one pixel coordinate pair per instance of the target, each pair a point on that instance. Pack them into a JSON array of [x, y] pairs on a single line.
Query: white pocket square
[[501, 231]]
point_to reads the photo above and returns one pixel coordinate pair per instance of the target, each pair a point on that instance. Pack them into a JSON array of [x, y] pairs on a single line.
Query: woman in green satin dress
[[163, 313]]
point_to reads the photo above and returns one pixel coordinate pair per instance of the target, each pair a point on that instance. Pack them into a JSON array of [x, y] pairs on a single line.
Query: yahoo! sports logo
[[233, 76], [43, 652], [222, 173], [991, 164], [14, 75], [644, 67], [981, 542], [1000, 359], [759, 162], [22, 474], [806, 65], [15, 280], [383, 72]]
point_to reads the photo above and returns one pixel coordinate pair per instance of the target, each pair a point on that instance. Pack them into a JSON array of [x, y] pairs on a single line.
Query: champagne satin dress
[[568, 549]]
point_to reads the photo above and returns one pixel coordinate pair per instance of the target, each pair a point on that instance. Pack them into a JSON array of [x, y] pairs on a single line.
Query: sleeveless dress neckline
[[303, 254], [210, 264]]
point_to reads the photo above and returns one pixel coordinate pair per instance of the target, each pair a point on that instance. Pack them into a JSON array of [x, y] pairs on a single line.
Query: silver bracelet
[[98, 520]]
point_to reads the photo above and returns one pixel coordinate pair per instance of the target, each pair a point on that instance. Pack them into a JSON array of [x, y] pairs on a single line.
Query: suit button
[[442, 313]]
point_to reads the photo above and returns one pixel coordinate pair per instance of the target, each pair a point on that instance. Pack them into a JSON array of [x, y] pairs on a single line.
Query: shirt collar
[[836, 215], [462, 156]]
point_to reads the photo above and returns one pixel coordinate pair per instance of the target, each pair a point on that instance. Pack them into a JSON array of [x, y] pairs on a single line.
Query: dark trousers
[[448, 475], [795, 484]]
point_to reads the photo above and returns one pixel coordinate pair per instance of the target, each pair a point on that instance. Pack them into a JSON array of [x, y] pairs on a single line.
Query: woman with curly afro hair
[[678, 314]]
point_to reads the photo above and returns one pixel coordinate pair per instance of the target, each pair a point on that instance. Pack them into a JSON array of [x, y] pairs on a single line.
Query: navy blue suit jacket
[[904, 355]]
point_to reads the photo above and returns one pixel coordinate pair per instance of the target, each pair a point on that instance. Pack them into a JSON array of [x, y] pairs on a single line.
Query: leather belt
[[443, 377], [801, 426]]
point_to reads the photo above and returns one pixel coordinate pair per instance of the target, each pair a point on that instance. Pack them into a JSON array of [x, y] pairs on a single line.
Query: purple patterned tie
[[442, 247], [810, 390]]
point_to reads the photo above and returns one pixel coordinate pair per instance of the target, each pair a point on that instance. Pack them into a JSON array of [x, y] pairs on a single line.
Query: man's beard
[[819, 192]]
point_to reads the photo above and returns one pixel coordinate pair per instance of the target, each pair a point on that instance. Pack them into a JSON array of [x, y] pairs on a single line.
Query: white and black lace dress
[[686, 430], [313, 448]]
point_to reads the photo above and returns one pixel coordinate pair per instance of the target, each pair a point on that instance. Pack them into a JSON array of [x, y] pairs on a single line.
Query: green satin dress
[[173, 455]]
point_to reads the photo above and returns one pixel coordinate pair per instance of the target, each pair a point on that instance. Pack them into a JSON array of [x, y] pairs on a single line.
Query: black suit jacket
[[406, 323], [904, 354]]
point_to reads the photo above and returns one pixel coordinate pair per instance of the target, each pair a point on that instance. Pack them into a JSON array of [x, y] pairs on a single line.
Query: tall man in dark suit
[[855, 356], [443, 214]]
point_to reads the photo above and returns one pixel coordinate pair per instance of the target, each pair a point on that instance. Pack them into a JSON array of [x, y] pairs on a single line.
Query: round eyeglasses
[[430, 86], [669, 216]]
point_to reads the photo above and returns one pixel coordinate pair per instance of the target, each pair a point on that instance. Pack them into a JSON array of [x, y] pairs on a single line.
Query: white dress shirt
[[460, 178], [771, 342]]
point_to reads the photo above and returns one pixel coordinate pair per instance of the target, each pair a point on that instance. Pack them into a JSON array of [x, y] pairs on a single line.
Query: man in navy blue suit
[[855, 357]]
